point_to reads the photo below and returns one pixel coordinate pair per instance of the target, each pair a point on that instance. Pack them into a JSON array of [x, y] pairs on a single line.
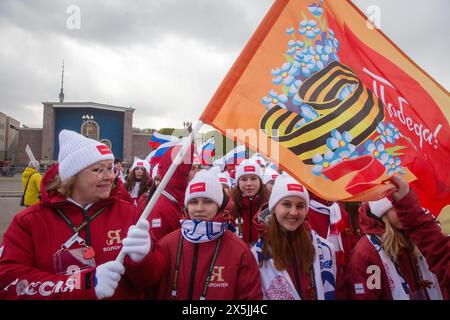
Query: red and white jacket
[[421, 226], [235, 274], [26, 261], [367, 275], [321, 216]]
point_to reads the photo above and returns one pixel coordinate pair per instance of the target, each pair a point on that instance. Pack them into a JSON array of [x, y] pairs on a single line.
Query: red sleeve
[[20, 279], [248, 280], [149, 271], [421, 227], [163, 219], [359, 277]]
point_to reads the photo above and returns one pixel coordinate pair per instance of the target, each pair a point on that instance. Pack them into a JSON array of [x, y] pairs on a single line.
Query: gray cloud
[[223, 24], [163, 57]]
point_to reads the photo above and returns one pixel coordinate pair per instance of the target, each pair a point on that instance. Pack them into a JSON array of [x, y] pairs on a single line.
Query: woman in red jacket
[[385, 263], [65, 246], [295, 263], [250, 194], [421, 226], [138, 180], [205, 260]]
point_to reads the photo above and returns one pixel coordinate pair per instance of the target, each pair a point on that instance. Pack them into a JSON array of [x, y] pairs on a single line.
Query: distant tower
[[61, 94]]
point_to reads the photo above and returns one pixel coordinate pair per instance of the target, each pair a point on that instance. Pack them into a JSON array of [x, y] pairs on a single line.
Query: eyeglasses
[[102, 172]]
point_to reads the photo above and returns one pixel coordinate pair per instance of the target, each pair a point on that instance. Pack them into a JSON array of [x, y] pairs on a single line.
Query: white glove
[[107, 277], [137, 243]]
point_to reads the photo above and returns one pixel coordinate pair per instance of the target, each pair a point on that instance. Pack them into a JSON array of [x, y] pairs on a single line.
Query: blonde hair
[[64, 188], [394, 240]]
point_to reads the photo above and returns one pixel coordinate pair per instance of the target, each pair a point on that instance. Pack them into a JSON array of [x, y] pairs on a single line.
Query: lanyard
[[210, 271], [85, 223], [312, 292]]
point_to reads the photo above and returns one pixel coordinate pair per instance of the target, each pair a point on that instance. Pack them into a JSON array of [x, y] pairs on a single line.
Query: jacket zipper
[[194, 267]]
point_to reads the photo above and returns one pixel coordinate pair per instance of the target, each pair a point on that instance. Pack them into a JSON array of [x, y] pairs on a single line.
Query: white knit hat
[[205, 184], [219, 163], [380, 207], [215, 169], [224, 178], [259, 160], [269, 175], [140, 163], [34, 164], [76, 152], [286, 186], [248, 166]]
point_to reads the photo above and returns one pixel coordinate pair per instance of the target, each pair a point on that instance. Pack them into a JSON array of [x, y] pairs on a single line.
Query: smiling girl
[[294, 261]]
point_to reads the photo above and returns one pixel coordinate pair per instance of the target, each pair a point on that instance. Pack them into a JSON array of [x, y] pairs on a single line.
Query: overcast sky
[[165, 58]]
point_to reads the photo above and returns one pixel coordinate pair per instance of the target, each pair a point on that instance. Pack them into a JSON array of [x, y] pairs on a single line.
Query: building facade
[[9, 136], [109, 124]]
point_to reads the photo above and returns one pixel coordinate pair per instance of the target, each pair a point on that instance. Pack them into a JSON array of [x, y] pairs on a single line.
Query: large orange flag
[[346, 108]]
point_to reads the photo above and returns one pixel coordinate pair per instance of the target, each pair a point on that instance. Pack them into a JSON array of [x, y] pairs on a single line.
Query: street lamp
[[87, 117]]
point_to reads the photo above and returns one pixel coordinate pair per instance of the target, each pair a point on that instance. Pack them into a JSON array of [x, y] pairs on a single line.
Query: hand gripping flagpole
[[162, 185]]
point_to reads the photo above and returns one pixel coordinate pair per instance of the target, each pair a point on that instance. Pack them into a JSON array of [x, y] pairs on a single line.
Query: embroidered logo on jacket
[[217, 280], [114, 236]]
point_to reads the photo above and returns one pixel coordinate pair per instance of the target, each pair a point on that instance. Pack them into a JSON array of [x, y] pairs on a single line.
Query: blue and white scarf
[[278, 285], [199, 231], [398, 286]]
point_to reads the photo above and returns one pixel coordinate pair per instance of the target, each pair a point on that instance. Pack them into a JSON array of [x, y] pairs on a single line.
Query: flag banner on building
[[158, 139], [344, 106], [206, 152]]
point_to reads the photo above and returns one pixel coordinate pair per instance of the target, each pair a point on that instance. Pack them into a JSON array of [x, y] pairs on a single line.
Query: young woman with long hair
[[250, 194], [138, 180], [295, 263], [385, 263]]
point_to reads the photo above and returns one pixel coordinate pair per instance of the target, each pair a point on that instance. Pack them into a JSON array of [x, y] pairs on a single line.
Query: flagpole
[[162, 185]]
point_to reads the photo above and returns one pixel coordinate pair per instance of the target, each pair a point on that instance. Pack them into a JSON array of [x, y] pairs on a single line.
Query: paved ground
[[10, 193]]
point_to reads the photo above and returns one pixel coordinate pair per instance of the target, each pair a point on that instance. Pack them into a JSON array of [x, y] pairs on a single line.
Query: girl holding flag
[[206, 261], [294, 261], [385, 263]]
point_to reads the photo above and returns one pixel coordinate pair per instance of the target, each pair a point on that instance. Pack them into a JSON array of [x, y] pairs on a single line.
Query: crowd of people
[[228, 232]]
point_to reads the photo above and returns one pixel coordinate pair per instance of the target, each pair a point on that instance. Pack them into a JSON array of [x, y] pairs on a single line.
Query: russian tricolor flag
[[155, 156], [158, 139], [235, 156], [206, 152]]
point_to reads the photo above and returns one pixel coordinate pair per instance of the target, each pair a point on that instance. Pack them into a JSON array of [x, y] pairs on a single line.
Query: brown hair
[[283, 245], [64, 188], [131, 181], [352, 209], [262, 198]]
